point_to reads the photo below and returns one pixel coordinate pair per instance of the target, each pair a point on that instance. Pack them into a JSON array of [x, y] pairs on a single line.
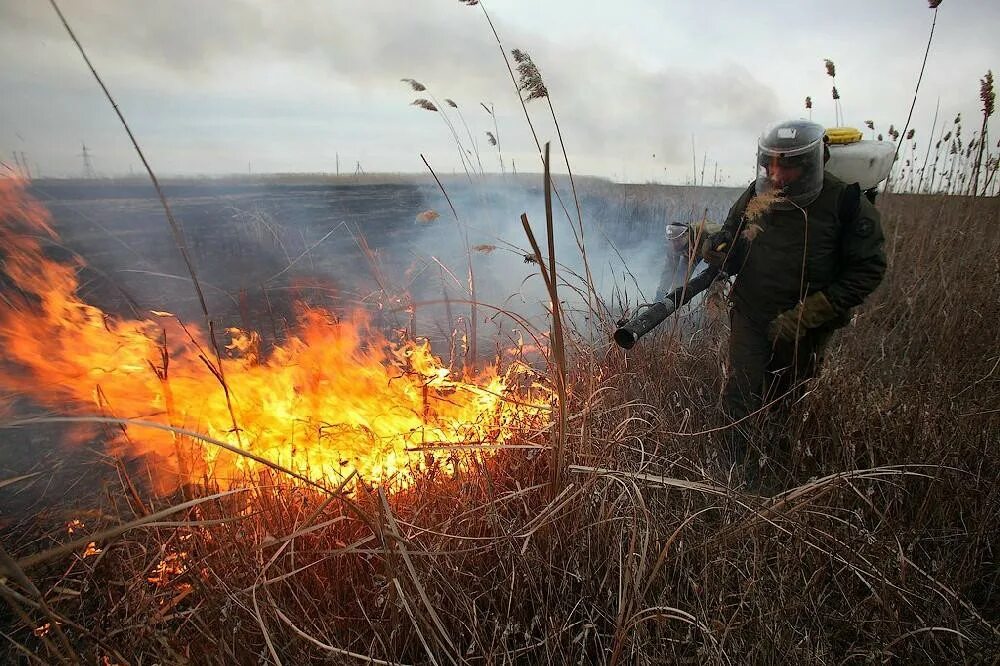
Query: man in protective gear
[[805, 248], [685, 243]]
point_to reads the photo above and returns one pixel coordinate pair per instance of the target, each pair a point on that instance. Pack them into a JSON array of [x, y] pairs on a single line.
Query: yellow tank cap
[[840, 135]]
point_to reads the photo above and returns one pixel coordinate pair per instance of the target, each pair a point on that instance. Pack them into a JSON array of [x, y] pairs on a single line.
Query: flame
[[337, 397], [91, 550], [170, 567]]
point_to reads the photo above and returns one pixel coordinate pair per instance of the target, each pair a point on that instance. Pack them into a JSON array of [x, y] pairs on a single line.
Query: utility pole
[[24, 163], [694, 163], [338, 163], [88, 167]]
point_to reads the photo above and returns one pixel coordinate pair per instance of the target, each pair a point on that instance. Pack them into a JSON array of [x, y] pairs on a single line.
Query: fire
[[171, 566], [337, 397]]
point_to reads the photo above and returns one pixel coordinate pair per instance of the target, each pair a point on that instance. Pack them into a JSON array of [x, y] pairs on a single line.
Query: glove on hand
[[717, 249], [791, 325]]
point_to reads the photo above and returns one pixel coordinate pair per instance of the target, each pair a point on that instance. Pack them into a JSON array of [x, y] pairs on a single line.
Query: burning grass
[[879, 543], [336, 399]]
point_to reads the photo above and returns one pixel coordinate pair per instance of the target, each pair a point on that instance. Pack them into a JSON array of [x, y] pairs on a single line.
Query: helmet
[[677, 236], [790, 160], [676, 231]]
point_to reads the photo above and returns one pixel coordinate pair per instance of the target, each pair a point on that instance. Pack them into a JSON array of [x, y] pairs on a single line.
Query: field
[[876, 541]]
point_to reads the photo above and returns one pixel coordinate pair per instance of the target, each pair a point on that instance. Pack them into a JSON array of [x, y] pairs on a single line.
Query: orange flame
[[335, 398]]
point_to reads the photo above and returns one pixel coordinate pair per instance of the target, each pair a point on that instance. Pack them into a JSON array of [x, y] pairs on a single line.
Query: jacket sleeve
[[734, 220], [862, 259], [702, 232], [734, 227]]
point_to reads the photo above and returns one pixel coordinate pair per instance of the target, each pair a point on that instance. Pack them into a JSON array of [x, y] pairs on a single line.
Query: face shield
[[790, 162]]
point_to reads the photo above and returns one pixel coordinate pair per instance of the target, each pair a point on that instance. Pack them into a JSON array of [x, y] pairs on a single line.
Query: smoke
[[262, 248], [623, 236]]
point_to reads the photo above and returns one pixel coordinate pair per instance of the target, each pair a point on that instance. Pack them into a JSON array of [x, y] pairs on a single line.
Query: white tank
[[864, 162]]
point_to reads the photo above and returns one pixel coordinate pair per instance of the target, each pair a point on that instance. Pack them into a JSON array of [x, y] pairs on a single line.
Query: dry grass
[[880, 547], [877, 544], [762, 203]]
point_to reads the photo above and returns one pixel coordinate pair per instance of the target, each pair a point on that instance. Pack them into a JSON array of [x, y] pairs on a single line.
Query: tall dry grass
[[879, 543], [876, 543]]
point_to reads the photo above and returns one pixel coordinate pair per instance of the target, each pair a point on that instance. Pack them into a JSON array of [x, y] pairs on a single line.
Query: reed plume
[[425, 104], [530, 84], [760, 204], [415, 85], [988, 97], [831, 71]]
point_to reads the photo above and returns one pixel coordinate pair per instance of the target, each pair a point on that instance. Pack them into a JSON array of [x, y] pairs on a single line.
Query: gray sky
[[210, 87]]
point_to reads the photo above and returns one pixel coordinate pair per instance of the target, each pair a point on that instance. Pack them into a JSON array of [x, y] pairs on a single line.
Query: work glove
[[791, 325], [717, 249]]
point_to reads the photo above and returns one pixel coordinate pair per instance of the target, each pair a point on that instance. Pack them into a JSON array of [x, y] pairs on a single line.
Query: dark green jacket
[[842, 257]]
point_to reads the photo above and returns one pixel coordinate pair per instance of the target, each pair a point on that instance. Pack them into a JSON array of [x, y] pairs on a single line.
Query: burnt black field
[[260, 245], [247, 238]]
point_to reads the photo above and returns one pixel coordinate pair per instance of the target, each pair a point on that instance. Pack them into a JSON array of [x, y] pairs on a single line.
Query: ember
[[171, 566], [337, 397]]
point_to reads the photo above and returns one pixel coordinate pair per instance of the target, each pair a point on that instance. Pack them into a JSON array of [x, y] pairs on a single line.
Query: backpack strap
[[848, 207], [850, 203], [737, 217]]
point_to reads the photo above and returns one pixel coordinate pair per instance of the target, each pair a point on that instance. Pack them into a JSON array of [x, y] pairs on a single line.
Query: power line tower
[[88, 167]]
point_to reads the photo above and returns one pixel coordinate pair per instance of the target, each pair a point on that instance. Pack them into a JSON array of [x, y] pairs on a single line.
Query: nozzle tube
[[628, 334]]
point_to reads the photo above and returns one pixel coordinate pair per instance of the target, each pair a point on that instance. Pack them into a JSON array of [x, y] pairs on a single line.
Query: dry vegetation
[[876, 542], [879, 543]]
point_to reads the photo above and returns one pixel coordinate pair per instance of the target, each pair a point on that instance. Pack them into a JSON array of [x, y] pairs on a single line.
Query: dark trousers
[[760, 371]]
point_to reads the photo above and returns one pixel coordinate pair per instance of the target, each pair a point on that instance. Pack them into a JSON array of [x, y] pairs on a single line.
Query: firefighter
[[813, 254], [685, 243]]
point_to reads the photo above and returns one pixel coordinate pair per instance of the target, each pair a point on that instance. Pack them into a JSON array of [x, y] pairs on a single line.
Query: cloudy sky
[[230, 85]]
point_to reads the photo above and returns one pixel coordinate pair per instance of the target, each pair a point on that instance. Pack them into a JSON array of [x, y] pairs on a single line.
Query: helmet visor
[[769, 160], [790, 161], [676, 231]]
